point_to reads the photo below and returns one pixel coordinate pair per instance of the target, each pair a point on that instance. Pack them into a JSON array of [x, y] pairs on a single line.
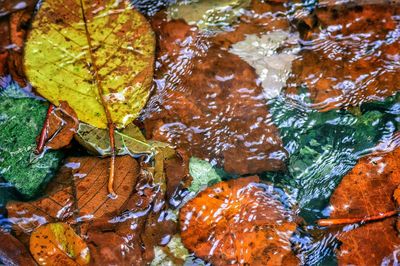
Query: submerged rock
[[20, 122]]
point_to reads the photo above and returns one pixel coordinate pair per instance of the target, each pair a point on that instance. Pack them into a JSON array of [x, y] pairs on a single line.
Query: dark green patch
[[21, 120]]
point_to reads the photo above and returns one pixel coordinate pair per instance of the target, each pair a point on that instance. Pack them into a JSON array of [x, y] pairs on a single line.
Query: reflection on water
[[297, 94]]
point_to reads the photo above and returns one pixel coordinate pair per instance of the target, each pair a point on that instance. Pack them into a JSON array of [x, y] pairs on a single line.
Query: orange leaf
[[369, 191], [238, 223], [58, 244]]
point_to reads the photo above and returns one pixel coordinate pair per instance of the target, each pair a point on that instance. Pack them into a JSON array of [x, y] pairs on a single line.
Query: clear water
[[295, 93]]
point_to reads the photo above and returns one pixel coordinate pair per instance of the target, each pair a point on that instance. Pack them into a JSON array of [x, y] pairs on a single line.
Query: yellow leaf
[[58, 244], [98, 56]]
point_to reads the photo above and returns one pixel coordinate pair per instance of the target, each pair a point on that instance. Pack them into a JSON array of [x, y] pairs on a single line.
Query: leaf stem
[[110, 123], [43, 134], [343, 221], [111, 132]]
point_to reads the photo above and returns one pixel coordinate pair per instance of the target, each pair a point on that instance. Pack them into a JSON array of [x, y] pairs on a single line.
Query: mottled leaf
[[367, 191], [238, 222], [203, 174], [58, 244], [96, 56]]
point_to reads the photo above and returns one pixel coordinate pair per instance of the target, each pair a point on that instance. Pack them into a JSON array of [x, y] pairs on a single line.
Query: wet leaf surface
[[129, 140], [15, 17], [80, 51], [79, 192], [368, 190], [238, 222], [353, 50], [13, 252], [234, 127], [208, 14], [62, 126], [58, 244]]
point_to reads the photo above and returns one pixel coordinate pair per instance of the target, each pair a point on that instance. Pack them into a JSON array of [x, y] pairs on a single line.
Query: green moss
[[20, 122]]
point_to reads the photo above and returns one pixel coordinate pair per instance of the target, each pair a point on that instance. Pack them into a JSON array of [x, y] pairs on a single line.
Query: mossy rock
[[21, 121]]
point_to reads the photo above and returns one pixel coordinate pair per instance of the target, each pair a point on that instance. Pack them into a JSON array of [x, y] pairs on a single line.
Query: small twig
[[43, 133], [343, 221]]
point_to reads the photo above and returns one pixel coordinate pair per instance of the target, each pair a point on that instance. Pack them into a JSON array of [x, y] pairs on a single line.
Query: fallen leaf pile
[[78, 191], [136, 220], [238, 223], [368, 191], [352, 47]]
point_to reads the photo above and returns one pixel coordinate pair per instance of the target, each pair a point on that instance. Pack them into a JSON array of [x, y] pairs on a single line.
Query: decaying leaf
[[129, 140], [262, 17], [145, 221], [96, 56], [172, 254], [15, 17], [222, 129], [79, 192], [58, 244], [353, 48], [238, 222], [368, 191], [20, 123], [59, 129], [208, 14], [13, 252], [203, 174]]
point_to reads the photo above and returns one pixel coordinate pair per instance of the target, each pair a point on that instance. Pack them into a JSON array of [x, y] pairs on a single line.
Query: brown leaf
[[123, 231], [13, 29], [13, 252], [235, 127], [351, 48], [368, 191], [60, 128], [79, 192], [58, 244], [262, 17], [238, 223], [130, 238], [177, 173], [10, 6]]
